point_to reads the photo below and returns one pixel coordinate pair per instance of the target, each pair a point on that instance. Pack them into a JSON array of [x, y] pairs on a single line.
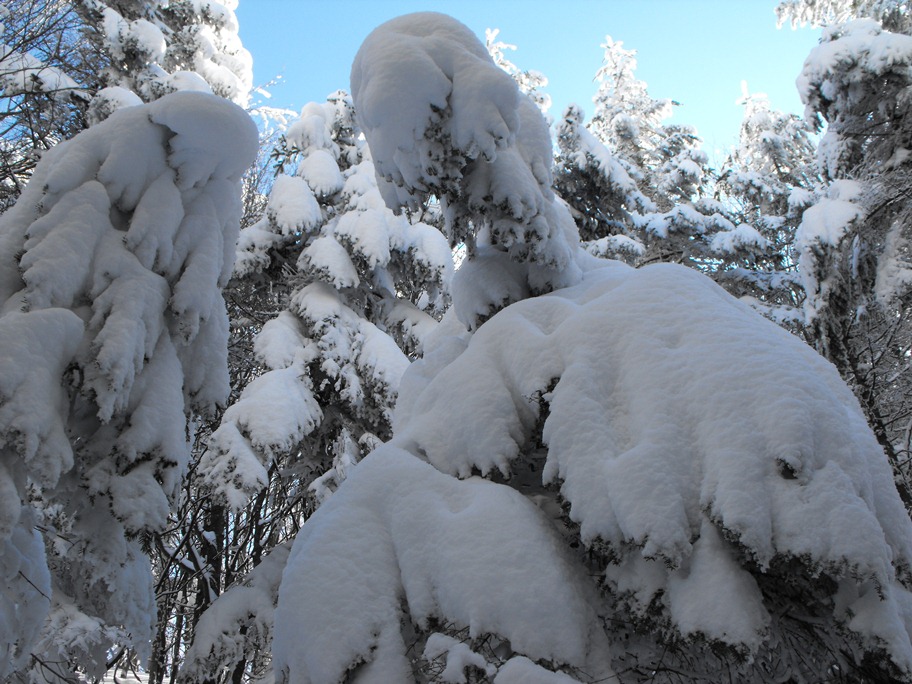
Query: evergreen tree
[[155, 48], [606, 202], [629, 477], [114, 336], [359, 289], [853, 239], [651, 175], [65, 65], [46, 76], [765, 183]]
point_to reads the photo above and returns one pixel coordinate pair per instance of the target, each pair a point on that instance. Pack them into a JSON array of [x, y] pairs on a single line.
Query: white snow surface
[[521, 670], [292, 205], [697, 444], [677, 414], [401, 533], [321, 172], [452, 69], [108, 100]]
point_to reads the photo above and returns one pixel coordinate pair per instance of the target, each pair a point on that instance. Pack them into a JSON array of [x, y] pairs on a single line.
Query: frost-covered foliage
[[624, 479], [159, 47], [856, 81], [470, 138], [361, 289], [597, 185], [66, 64], [238, 623], [666, 158], [114, 334], [365, 279], [893, 14]]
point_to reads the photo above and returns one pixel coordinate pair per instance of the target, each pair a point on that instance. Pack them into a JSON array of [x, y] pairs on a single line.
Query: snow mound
[[401, 536], [695, 441]]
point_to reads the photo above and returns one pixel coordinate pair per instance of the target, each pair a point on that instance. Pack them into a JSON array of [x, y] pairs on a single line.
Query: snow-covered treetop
[[626, 118], [775, 155], [442, 119]]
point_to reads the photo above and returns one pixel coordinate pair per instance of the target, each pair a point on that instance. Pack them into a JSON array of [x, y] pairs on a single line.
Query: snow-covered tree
[[893, 14], [66, 64], [664, 158], [484, 152], [114, 335], [605, 200], [363, 279], [44, 69], [359, 290], [853, 239], [668, 482], [638, 186], [765, 183], [156, 47]]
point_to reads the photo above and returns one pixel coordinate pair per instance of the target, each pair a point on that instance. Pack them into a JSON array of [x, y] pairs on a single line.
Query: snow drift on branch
[[700, 448], [689, 436]]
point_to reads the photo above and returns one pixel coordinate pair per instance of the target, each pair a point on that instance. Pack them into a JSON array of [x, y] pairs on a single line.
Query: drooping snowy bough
[[113, 332], [676, 485]]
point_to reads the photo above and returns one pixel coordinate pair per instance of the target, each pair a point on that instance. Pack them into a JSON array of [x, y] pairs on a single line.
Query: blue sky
[[694, 51]]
